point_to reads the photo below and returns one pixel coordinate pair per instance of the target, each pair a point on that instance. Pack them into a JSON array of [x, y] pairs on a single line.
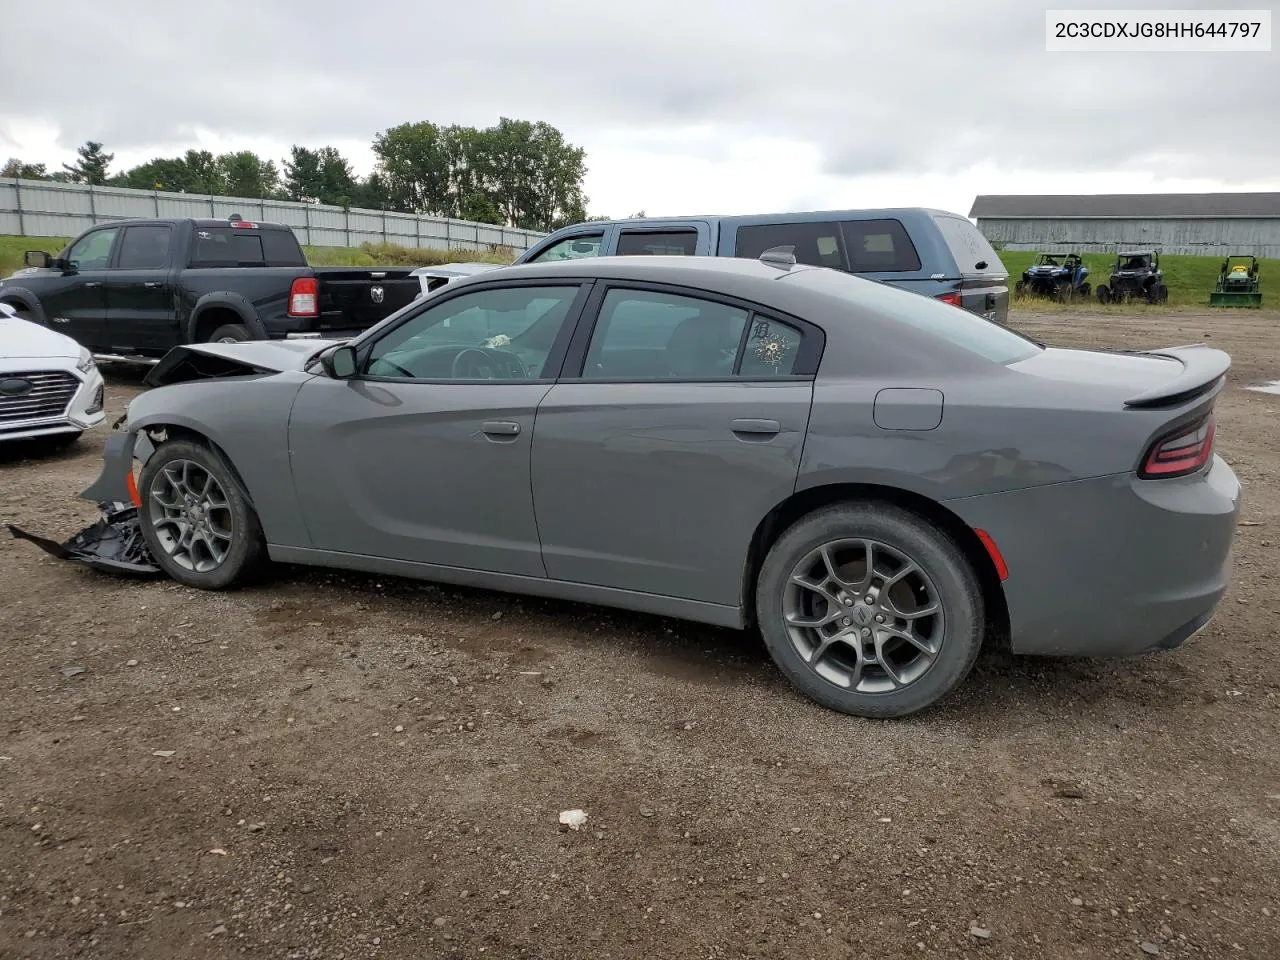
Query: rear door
[[984, 281], [677, 423], [141, 298], [78, 306]]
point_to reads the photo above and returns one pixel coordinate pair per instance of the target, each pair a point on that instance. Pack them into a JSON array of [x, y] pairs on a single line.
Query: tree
[[92, 166], [323, 174], [16, 169], [245, 174], [414, 163]]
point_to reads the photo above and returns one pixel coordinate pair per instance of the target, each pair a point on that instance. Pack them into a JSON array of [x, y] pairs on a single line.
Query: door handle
[[93, 283], [500, 428], [756, 427], [152, 284]]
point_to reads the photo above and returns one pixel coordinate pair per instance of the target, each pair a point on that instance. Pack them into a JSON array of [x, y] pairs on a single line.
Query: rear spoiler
[[1204, 370]]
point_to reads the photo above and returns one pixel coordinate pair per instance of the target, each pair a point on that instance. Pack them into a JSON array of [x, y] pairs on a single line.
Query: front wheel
[[1084, 290], [196, 517], [870, 610], [1104, 294]]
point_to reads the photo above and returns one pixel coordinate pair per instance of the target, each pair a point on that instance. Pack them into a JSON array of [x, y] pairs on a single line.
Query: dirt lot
[[372, 768]]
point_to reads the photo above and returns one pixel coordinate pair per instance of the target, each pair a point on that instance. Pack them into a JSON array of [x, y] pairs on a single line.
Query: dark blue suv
[[931, 252]]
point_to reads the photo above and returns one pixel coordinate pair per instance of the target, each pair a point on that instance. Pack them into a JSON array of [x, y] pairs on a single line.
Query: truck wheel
[[231, 333], [870, 610], [1085, 289], [196, 518], [1104, 294]]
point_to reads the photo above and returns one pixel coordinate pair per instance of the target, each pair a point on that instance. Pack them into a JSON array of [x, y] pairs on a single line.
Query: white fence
[[42, 208]]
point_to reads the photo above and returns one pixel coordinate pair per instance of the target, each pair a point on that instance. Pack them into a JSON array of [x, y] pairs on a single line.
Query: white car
[[433, 278], [49, 384]]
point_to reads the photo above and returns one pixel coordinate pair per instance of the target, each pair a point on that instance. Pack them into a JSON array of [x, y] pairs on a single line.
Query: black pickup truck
[[132, 289]]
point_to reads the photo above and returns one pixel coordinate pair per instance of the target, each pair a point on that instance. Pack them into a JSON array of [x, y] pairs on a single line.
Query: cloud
[[734, 102]]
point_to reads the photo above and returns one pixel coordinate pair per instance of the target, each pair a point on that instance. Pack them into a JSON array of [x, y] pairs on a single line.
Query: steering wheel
[[487, 367]]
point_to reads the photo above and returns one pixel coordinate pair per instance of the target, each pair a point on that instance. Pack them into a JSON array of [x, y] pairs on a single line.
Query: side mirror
[[37, 258], [340, 363]]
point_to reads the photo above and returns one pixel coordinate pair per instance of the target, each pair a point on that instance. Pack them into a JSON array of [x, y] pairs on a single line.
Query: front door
[[666, 442], [78, 306], [424, 455], [141, 305]]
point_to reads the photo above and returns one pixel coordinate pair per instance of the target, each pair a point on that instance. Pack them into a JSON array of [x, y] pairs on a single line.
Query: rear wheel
[[870, 610], [1104, 293], [230, 333], [1159, 293], [1084, 290], [196, 517]]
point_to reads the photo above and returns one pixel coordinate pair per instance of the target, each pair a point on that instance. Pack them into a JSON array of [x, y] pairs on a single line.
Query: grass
[[1190, 279], [368, 255]]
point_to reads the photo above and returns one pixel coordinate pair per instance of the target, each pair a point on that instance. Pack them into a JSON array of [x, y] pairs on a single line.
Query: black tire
[[1104, 294], [231, 333], [1159, 293], [957, 589], [1019, 289], [22, 313], [247, 551], [1085, 290]]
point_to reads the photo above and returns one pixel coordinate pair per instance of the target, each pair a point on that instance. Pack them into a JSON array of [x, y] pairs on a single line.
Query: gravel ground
[[333, 765]]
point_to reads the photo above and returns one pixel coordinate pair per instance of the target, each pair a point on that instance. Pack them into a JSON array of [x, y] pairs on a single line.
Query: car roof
[[802, 216]]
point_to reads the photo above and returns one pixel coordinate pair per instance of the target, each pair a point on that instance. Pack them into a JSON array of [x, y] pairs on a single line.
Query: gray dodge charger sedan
[[876, 481]]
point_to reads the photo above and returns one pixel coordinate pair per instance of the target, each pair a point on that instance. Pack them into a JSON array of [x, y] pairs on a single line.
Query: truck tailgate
[[358, 297]]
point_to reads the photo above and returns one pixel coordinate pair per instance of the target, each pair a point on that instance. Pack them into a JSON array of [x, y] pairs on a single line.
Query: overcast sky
[[696, 106]]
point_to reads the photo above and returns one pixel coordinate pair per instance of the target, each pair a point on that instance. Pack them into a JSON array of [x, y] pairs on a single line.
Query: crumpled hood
[[199, 361], [20, 339]]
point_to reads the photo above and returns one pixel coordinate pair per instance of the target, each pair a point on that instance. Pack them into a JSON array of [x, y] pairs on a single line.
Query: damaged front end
[[114, 543]]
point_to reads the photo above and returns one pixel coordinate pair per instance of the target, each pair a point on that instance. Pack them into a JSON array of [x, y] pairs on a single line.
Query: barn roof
[[1144, 206]]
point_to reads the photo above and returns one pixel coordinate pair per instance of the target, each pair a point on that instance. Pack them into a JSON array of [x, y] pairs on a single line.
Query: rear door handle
[[93, 283], [758, 427], [152, 284], [501, 428]]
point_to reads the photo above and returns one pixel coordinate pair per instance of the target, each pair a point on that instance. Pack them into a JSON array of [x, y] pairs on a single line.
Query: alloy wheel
[[863, 615], [191, 516]]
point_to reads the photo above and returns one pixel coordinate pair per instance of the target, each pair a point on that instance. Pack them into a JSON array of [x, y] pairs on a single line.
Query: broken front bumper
[[114, 543]]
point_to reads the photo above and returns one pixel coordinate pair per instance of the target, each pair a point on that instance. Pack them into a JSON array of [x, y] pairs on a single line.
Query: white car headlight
[[85, 363]]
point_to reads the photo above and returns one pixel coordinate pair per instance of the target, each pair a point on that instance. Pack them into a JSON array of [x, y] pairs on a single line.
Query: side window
[[145, 248], [93, 251], [643, 334], [654, 243], [771, 350], [572, 248], [879, 246], [817, 244], [503, 333]]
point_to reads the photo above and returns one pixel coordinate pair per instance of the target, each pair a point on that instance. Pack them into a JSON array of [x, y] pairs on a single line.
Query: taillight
[[1181, 452], [951, 298], [303, 298]]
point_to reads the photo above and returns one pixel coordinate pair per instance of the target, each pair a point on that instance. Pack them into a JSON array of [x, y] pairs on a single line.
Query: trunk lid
[[1148, 378]]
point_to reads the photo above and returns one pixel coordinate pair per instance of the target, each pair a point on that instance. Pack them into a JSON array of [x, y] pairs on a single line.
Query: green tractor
[[1238, 284]]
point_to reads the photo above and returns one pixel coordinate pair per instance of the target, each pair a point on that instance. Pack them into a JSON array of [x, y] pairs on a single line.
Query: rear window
[[237, 247], [969, 246], [654, 243], [953, 324], [879, 246]]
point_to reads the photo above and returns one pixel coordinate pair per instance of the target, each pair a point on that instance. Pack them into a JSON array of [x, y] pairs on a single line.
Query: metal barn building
[[1215, 224]]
